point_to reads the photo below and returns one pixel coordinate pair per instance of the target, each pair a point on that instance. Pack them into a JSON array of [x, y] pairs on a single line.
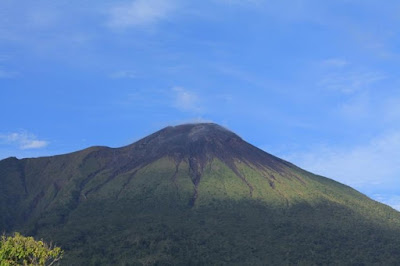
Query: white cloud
[[375, 162], [373, 167], [140, 13], [34, 144], [186, 100], [24, 140], [123, 74]]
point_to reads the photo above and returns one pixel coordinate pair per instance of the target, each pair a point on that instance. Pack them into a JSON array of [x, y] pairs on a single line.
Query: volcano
[[194, 194]]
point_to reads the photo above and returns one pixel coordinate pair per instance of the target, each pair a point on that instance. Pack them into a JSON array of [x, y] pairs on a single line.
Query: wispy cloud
[[8, 74], [243, 75], [186, 100], [357, 107], [4, 73], [3, 57], [242, 2], [350, 82], [43, 17], [192, 120], [334, 62], [23, 140], [140, 13], [389, 199], [123, 74], [374, 165], [372, 168], [392, 110]]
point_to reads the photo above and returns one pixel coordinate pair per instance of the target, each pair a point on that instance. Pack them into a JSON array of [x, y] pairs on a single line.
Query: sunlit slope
[[193, 194]]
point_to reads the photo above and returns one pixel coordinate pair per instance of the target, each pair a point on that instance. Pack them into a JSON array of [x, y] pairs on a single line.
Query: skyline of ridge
[[192, 194], [208, 135], [316, 83]]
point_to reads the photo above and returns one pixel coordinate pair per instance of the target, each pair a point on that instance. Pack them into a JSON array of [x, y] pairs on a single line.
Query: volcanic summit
[[193, 194]]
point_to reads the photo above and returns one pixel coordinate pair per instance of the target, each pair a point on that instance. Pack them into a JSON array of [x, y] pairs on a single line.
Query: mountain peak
[[198, 132], [199, 144], [187, 139], [200, 193]]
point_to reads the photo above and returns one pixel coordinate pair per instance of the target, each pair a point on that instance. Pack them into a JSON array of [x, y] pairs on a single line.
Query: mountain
[[194, 194]]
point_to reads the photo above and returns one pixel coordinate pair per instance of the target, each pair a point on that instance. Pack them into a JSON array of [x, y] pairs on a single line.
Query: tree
[[21, 250]]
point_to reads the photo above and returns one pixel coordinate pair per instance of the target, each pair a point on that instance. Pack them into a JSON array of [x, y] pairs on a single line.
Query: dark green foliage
[[12, 190], [245, 232], [187, 199]]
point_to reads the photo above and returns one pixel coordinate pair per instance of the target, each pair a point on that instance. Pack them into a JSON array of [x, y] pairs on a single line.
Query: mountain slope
[[193, 194]]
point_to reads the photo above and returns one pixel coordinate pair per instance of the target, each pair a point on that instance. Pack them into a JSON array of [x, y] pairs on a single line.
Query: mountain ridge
[[190, 185]]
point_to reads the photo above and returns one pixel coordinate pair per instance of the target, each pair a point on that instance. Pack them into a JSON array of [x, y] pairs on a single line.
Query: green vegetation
[[21, 250], [224, 232], [145, 205], [150, 220]]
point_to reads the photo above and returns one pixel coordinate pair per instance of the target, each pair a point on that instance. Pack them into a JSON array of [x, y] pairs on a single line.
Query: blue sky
[[314, 82]]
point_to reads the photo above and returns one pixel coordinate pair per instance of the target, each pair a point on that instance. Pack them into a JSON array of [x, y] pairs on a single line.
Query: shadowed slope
[[193, 193]]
